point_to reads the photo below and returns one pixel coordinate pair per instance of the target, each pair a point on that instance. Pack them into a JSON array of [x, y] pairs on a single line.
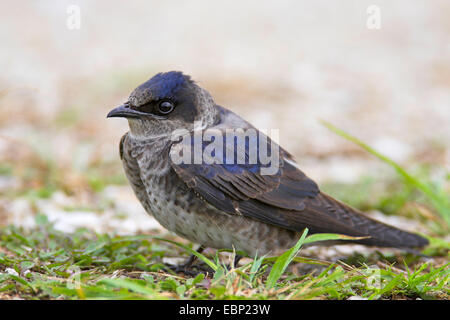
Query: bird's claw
[[189, 269]]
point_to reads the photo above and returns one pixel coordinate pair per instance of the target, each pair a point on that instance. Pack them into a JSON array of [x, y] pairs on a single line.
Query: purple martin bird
[[226, 205]]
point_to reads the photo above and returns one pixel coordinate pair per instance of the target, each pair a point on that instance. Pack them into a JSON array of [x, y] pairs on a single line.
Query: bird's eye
[[165, 107]]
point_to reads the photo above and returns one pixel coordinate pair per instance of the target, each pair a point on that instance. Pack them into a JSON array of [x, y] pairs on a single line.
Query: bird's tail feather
[[351, 222]]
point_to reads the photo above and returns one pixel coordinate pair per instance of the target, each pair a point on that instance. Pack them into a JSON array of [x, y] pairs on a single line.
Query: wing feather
[[288, 188]]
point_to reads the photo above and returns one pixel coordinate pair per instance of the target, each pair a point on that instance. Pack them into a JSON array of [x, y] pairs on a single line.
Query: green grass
[[44, 263]]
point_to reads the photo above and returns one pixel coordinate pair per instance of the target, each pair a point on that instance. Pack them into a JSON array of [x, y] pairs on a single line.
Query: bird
[[225, 203]]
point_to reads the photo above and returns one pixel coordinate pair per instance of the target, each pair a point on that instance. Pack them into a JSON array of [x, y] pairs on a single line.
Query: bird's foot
[[189, 267], [190, 270]]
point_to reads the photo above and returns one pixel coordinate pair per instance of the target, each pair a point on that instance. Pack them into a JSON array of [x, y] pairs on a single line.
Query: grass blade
[[283, 261], [440, 202], [256, 264], [329, 236], [132, 286]]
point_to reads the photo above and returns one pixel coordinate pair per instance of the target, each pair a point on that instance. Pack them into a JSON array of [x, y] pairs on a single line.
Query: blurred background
[[285, 65]]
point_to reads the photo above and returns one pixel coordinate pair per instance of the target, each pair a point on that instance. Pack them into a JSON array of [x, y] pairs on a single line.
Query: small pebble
[[11, 271], [356, 298]]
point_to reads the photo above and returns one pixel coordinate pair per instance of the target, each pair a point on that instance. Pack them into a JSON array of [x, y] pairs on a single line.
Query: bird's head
[[165, 103]]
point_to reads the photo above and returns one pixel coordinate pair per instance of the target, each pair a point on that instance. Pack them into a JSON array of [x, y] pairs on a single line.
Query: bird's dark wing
[[225, 185], [287, 198], [280, 199]]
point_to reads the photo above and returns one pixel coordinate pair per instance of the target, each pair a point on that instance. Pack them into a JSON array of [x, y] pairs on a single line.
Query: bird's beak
[[124, 111]]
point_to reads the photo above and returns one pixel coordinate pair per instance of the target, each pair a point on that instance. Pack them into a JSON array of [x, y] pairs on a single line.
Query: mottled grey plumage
[[223, 209]]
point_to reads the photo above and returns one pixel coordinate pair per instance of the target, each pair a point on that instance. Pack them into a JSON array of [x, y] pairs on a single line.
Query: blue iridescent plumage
[[226, 157], [165, 85]]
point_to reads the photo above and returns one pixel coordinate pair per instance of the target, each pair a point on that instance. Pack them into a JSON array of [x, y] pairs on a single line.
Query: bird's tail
[[351, 222]]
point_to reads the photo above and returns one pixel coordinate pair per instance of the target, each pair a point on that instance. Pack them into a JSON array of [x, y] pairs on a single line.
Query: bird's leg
[[237, 258], [186, 267], [190, 261], [233, 265]]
